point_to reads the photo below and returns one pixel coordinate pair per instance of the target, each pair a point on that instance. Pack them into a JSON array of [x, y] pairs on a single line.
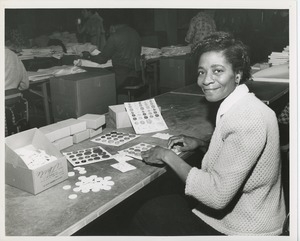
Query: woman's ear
[[238, 77]]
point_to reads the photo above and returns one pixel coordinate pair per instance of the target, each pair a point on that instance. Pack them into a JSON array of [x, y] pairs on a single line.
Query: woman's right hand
[[183, 143]]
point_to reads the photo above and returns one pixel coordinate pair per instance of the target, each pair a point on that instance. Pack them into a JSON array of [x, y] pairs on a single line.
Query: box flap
[[13, 158], [20, 139], [40, 141], [118, 108]]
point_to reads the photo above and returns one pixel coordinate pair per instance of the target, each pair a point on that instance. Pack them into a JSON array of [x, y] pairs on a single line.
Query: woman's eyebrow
[[218, 65]]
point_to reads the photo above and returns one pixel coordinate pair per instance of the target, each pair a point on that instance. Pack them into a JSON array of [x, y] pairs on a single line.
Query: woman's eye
[[218, 71], [201, 73]]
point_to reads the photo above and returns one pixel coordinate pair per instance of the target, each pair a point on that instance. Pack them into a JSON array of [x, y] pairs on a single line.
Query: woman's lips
[[209, 90]]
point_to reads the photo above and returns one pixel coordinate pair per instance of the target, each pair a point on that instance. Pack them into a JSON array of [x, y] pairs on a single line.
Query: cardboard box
[[34, 181], [95, 132], [55, 131], [93, 121], [119, 116], [77, 94], [74, 125], [81, 136], [176, 72], [63, 142]]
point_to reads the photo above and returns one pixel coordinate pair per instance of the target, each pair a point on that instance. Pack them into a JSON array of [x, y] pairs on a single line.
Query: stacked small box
[[94, 123], [58, 134], [62, 133], [119, 116], [75, 125], [41, 173], [78, 129]]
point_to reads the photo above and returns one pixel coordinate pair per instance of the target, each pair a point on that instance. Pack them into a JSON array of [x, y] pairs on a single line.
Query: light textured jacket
[[240, 177]]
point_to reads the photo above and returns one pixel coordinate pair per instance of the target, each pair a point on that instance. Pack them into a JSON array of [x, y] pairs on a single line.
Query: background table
[[274, 94]]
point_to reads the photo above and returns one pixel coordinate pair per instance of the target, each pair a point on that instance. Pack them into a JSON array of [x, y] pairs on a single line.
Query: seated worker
[[123, 46], [92, 28], [201, 25], [15, 73], [238, 188], [16, 108]]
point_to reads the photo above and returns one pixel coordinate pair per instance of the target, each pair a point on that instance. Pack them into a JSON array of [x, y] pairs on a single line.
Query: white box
[[119, 116], [81, 136], [95, 132], [93, 121], [63, 142], [74, 125], [55, 131], [36, 180]]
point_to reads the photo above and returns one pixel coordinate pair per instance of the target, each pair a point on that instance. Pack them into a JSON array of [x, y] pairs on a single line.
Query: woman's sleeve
[[106, 53], [243, 143]]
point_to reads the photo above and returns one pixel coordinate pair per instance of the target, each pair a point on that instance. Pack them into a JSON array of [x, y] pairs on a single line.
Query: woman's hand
[[156, 155], [184, 143], [85, 55]]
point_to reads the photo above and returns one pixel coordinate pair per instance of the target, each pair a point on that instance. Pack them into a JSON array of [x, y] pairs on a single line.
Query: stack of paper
[[175, 50], [88, 63], [53, 71], [276, 73], [150, 53], [277, 58]]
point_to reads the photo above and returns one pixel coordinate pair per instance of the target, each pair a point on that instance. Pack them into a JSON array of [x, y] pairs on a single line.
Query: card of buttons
[[135, 151], [114, 138], [145, 116], [87, 156]]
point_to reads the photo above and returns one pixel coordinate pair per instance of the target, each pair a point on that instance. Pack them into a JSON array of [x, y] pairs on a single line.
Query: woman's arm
[[233, 154]]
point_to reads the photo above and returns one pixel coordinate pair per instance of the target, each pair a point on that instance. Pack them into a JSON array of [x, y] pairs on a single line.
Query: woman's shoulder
[[251, 107]]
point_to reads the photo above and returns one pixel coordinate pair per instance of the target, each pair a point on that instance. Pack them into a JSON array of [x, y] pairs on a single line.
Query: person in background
[[201, 25], [91, 27], [15, 39], [15, 73], [16, 108], [238, 188], [123, 47]]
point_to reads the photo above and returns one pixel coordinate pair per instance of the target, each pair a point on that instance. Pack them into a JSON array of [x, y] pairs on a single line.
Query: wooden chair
[[134, 85], [16, 112]]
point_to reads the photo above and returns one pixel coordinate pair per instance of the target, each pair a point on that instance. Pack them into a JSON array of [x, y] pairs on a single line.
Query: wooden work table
[[274, 94], [51, 213]]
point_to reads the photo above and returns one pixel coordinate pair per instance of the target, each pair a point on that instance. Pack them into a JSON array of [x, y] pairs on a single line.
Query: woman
[[92, 29], [238, 188]]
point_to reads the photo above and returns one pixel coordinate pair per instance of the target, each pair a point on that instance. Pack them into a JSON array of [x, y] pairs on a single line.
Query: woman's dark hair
[[235, 51]]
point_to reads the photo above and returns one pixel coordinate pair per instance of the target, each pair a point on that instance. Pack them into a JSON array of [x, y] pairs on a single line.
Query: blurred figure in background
[[91, 27], [15, 74], [201, 25], [123, 47]]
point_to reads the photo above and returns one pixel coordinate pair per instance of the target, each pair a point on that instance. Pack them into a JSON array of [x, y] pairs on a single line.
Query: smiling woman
[[238, 188]]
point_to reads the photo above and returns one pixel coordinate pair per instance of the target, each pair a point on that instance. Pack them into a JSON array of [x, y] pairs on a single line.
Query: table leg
[[46, 103]]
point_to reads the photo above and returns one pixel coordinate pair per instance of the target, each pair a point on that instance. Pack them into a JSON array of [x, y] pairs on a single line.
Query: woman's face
[[216, 76]]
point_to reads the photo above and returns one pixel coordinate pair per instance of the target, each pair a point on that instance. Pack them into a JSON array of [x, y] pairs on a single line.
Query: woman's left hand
[[155, 155]]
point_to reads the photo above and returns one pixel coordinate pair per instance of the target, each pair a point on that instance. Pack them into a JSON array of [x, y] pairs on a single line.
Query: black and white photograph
[[149, 120]]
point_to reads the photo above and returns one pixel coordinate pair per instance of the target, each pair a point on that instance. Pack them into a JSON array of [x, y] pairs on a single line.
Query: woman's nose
[[205, 79]]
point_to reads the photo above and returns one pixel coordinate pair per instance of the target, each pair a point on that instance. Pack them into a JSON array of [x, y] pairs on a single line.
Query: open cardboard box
[[34, 181], [119, 116]]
